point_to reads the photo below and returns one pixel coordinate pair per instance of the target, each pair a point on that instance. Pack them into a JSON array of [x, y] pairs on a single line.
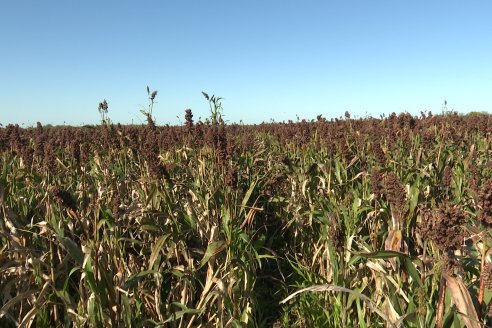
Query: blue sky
[[268, 59]]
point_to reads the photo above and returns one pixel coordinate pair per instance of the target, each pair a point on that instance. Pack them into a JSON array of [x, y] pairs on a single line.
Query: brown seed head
[[485, 203], [64, 198], [487, 276], [447, 176], [394, 193], [188, 119], [443, 226], [103, 106], [336, 235], [376, 187], [379, 153]]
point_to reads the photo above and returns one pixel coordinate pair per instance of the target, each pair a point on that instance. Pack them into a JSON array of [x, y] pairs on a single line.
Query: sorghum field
[[323, 223]]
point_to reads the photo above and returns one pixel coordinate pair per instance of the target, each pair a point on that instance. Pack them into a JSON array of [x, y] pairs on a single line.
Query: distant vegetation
[[324, 223]]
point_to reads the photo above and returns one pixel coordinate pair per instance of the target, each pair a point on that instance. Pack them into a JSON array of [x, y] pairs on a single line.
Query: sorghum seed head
[[447, 175], [64, 198], [485, 203], [443, 226], [487, 276]]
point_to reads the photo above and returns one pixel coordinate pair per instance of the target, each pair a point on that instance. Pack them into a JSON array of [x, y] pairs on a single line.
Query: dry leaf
[[463, 301]]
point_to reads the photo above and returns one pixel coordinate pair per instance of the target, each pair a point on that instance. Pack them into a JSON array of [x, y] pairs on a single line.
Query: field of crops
[[324, 223]]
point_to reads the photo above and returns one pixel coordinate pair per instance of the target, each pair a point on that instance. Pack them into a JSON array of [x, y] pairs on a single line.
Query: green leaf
[[360, 314], [414, 198], [354, 260], [247, 196], [409, 265], [265, 256], [133, 280], [67, 280], [89, 273], [73, 249], [487, 296], [381, 255], [102, 222], [64, 296], [151, 195], [156, 249], [179, 314], [449, 319], [150, 228], [91, 309], [212, 250]]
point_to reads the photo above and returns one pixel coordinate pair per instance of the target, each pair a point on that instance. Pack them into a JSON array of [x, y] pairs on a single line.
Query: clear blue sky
[[268, 59]]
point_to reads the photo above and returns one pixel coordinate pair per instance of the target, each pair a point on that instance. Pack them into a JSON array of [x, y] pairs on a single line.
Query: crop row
[[333, 223]]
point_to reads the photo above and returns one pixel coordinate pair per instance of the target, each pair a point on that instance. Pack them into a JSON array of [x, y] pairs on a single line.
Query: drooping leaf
[[462, 299], [381, 254], [334, 288], [393, 241], [72, 249], [132, 280]]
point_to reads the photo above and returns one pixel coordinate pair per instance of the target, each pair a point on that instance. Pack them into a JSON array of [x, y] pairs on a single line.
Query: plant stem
[[440, 305]]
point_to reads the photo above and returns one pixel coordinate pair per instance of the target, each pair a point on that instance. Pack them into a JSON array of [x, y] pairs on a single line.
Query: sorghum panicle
[[447, 176], [64, 198], [395, 193], [443, 226], [188, 119], [485, 203]]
